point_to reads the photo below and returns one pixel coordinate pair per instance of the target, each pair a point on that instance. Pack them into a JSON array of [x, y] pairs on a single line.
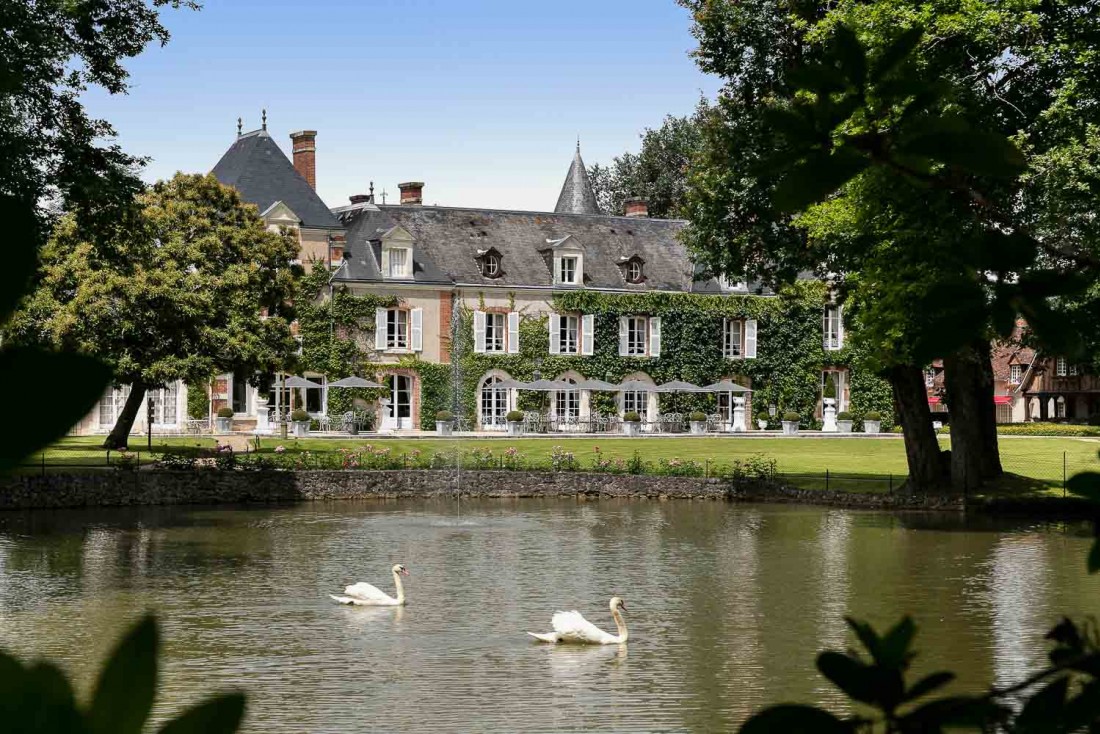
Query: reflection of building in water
[[1018, 576], [742, 663], [832, 563]]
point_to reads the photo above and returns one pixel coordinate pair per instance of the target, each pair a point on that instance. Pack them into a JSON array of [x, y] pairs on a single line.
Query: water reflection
[[727, 605]]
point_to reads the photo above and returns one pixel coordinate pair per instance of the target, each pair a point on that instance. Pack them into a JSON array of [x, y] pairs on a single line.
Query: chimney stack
[[412, 192], [636, 208], [304, 143], [359, 198]]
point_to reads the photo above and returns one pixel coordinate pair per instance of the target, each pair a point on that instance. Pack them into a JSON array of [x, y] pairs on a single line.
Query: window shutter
[[418, 329], [557, 269], [385, 262], [513, 332], [380, 329], [654, 336], [622, 336], [588, 334], [750, 338], [839, 327], [479, 332], [555, 329]]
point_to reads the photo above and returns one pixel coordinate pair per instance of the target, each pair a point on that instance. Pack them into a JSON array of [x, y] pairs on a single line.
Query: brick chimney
[[636, 208], [304, 143], [359, 198], [412, 192]]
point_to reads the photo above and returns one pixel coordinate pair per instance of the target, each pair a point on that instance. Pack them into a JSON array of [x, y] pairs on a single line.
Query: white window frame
[[1060, 367], [634, 271], [1015, 374], [496, 333], [395, 340], [1072, 370], [636, 401], [405, 272], [832, 328], [165, 405], [491, 263], [637, 336], [1060, 407], [930, 377], [569, 334], [733, 348], [573, 259]]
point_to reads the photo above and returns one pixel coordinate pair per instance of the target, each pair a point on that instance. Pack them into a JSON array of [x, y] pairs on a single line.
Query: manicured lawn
[[853, 464]]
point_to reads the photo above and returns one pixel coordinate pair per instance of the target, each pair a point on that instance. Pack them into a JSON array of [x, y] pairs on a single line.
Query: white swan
[[363, 594], [572, 627]]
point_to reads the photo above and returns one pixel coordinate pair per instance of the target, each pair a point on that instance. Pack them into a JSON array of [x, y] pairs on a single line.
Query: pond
[[727, 605]]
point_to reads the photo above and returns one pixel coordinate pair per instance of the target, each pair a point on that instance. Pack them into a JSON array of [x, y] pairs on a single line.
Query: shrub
[[632, 417], [444, 416], [299, 416], [791, 417], [176, 462], [514, 416], [225, 412], [873, 415], [1094, 419], [697, 417], [844, 416], [829, 391], [1041, 429]]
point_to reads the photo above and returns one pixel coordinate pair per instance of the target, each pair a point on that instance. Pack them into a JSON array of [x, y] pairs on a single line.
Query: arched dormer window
[[633, 269], [490, 263]]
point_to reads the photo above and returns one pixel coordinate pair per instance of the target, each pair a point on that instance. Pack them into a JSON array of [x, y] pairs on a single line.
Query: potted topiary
[[790, 423], [515, 422], [224, 421], [632, 424], [872, 422], [300, 420], [762, 420], [698, 422], [844, 422], [444, 423]]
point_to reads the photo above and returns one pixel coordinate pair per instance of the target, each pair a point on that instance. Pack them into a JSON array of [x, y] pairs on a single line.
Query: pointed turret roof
[[260, 171], [576, 195]]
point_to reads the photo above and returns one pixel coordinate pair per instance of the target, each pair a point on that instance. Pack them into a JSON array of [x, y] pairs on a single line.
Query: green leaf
[[850, 54], [221, 715], [1085, 484], [866, 635], [893, 651], [974, 151], [951, 711], [791, 124], [1044, 709], [48, 704], [819, 78], [816, 178], [795, 719], [126, 687], [75, 384], [1094, 557], [927, 684], [20, 252], [849, 675], [896, 52]]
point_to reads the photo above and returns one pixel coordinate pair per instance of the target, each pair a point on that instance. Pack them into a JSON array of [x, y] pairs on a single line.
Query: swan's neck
[[620, 625], [400, 587]]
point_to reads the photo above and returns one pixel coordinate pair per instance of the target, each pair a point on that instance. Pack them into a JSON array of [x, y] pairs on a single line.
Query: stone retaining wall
[[155, 487]]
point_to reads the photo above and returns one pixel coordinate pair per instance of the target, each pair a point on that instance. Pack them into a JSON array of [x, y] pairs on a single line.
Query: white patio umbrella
[[679, 386], [597, 385], [549, 385], [725, 386], [300, 382], [354, 382], [635, 386]]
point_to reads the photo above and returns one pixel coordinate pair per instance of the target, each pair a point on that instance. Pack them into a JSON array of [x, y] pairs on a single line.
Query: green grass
[[853, 464]]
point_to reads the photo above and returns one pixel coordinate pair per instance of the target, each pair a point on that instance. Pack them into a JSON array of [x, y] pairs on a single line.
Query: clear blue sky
[[481, 99]]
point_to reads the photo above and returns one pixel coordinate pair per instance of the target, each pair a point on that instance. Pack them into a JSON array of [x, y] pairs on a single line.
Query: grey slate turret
[[576, 195]]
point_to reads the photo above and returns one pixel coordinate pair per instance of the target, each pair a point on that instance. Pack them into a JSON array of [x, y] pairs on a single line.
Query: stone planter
[[299, 429], [698, 428], [632, 428], [790, 428], [871, 426], [844, 426], [515, 428], [444, 428], [223, 425]]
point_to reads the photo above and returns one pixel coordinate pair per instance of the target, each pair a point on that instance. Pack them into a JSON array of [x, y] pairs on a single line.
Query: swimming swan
[[363, 594], [572, 627]]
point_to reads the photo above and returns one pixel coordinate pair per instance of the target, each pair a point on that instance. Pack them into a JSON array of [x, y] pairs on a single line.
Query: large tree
[[657, 172], [57, 158], [943, 211], [193, 286]]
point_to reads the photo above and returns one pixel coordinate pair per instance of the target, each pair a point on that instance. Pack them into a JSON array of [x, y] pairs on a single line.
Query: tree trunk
[[968, 378], [922, 449], [120, 433]]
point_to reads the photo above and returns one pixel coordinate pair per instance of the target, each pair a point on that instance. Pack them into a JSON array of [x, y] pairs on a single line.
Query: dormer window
[[568, 267], [633, 269], [489, 263]]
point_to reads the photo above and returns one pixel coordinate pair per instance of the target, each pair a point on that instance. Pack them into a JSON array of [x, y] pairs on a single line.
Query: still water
[[727, 605]]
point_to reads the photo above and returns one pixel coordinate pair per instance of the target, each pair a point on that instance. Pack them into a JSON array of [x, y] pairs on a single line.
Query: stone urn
[[829, 416], [738, 425], [762, 424], [299, 423]]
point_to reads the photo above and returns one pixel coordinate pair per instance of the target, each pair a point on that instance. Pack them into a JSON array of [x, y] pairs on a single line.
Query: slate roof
[[258, 168], [448, 241], [576, 195]]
